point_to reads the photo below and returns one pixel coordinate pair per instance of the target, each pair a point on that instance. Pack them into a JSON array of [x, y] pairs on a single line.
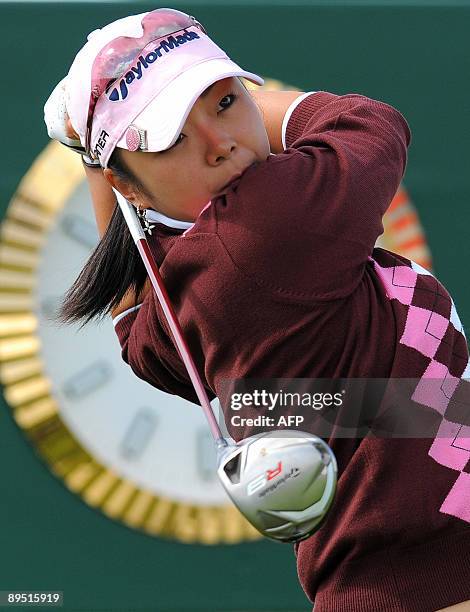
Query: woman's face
[[223, 135]]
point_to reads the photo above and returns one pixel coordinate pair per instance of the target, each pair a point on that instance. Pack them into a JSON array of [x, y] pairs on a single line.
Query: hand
[[59, 126]]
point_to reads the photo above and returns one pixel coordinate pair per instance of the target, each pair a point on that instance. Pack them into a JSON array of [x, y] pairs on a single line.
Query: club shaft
[[170, 316]]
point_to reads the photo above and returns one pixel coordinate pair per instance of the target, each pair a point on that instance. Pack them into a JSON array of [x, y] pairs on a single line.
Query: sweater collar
[[156, 217]]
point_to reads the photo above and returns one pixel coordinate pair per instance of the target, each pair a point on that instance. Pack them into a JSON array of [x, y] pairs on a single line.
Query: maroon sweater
[[279, 278]]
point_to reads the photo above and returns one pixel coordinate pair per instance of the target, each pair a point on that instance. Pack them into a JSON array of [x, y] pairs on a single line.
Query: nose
[[220, 145]]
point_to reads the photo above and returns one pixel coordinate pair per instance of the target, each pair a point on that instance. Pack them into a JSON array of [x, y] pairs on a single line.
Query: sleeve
[[149, 350], [303, 223], [146, 342], [288, 115]]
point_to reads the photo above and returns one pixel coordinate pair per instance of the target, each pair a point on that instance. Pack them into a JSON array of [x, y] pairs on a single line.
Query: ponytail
[[113, 268]]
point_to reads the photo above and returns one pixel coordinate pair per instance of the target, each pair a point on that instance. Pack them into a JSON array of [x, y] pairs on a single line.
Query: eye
[[227, 101]]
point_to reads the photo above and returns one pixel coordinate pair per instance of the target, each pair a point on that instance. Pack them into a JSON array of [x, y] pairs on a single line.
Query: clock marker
[[80, 230], [87, 380], [206, 458], [49, 306], [138, 434]]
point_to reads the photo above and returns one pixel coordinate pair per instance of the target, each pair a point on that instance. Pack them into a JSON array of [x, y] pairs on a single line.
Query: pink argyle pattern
[[432, 336]]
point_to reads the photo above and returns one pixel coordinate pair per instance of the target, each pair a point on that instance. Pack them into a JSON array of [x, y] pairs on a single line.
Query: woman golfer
[[264, 209]]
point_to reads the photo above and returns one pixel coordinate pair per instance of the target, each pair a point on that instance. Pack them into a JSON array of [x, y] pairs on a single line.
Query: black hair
[[114, 267]]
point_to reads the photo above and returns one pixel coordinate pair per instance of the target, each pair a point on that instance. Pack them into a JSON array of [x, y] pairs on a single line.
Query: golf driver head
[[282, 481]]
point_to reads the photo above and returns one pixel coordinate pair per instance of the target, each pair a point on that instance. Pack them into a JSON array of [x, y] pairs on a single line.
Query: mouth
[[234, 178]]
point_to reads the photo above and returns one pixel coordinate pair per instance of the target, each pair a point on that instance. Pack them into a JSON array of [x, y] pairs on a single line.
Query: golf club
[[282, 481]]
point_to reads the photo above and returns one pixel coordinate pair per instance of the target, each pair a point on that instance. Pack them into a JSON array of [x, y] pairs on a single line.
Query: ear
[[124, 187]]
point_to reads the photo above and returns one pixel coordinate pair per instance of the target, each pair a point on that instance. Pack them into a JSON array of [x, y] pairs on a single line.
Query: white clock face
[[159, 441]]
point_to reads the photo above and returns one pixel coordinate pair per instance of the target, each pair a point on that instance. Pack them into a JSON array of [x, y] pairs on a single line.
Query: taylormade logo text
[[136, 72]]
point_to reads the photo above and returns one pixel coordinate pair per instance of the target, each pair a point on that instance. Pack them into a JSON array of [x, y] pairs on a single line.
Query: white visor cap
[[160, 123]]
